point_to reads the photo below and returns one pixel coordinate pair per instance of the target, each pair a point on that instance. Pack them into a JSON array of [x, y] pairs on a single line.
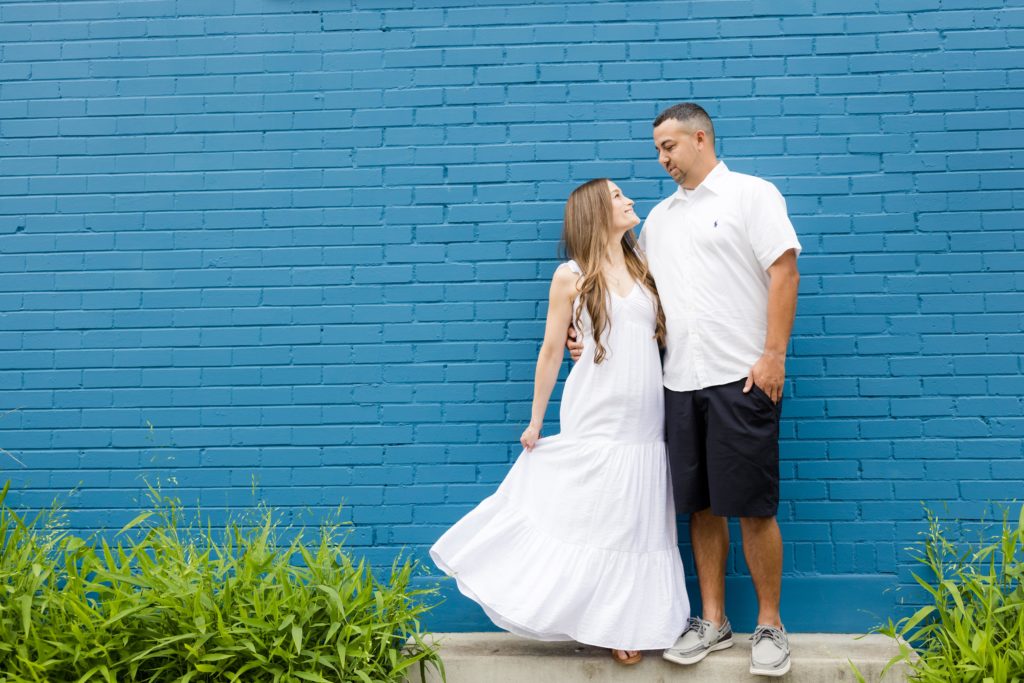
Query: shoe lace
[[776, 635], [698, 625]]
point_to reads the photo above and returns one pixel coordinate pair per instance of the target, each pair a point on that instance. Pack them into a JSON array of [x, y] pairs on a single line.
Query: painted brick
[[328, 267]]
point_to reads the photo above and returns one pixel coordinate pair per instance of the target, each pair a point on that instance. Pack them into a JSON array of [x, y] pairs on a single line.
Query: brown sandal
[[630, 659]]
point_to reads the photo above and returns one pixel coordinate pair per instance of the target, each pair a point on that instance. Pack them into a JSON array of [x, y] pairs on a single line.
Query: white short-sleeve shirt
[[709, 250]]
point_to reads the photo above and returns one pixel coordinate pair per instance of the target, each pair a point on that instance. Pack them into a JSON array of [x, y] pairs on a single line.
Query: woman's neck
[[613, 255]]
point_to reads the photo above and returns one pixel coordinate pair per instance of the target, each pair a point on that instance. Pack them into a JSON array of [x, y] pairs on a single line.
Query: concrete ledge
[[803, 598], [504, 658]]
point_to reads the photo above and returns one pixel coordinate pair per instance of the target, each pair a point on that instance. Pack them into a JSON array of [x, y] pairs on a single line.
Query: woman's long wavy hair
[[588, 218]]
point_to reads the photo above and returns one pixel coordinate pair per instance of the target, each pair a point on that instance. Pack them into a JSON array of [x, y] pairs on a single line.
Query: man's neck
[[693, 180]]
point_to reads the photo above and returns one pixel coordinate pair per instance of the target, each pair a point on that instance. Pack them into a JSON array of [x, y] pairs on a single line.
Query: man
[[723, 254]]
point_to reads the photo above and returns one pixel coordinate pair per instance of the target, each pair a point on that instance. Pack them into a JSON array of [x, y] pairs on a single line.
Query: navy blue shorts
[[723, 450]]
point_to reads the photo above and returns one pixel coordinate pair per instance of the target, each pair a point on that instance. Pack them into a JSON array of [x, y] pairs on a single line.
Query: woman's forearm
[[563, 285], [548, 363]]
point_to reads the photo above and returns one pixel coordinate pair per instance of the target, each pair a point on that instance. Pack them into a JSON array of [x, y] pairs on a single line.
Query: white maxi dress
[[579, 541]]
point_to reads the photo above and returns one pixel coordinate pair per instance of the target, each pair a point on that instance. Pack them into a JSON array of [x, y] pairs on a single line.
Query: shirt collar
[[713, 181]]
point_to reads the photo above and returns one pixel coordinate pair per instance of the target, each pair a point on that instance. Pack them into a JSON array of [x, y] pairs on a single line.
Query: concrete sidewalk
[[504, 658]]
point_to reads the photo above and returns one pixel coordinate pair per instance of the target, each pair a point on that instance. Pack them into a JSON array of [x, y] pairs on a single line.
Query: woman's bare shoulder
[[564, 281]]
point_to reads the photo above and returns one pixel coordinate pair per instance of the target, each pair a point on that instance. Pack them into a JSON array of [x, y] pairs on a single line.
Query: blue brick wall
[[308, 243]]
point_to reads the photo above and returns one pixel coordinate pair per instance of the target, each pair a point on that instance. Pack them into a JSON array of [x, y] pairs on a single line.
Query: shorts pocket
[[764, 397]]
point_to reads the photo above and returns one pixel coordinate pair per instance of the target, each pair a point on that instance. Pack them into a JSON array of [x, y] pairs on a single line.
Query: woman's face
[[623, 217]]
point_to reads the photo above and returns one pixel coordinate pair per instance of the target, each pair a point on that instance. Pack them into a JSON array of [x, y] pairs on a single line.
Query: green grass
[[973, 629], [184, 603]]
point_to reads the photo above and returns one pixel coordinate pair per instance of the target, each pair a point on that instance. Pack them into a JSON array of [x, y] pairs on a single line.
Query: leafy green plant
[[170, 602], [973, 630]]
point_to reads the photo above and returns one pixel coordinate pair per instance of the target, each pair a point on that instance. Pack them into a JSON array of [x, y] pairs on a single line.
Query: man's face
[[678, 148]]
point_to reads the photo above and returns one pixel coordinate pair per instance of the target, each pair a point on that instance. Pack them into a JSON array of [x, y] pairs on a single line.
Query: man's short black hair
[[690, 114]]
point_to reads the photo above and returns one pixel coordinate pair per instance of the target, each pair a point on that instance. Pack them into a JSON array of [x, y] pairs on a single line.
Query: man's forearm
[[782, 293]]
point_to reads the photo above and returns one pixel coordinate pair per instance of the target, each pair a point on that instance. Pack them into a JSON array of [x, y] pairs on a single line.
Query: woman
[[579, 541]]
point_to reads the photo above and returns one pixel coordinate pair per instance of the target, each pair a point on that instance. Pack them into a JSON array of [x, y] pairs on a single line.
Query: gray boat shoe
[[700, 639]]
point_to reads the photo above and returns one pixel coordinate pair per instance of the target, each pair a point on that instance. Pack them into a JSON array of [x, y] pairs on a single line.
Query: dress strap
[[573, 266]]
